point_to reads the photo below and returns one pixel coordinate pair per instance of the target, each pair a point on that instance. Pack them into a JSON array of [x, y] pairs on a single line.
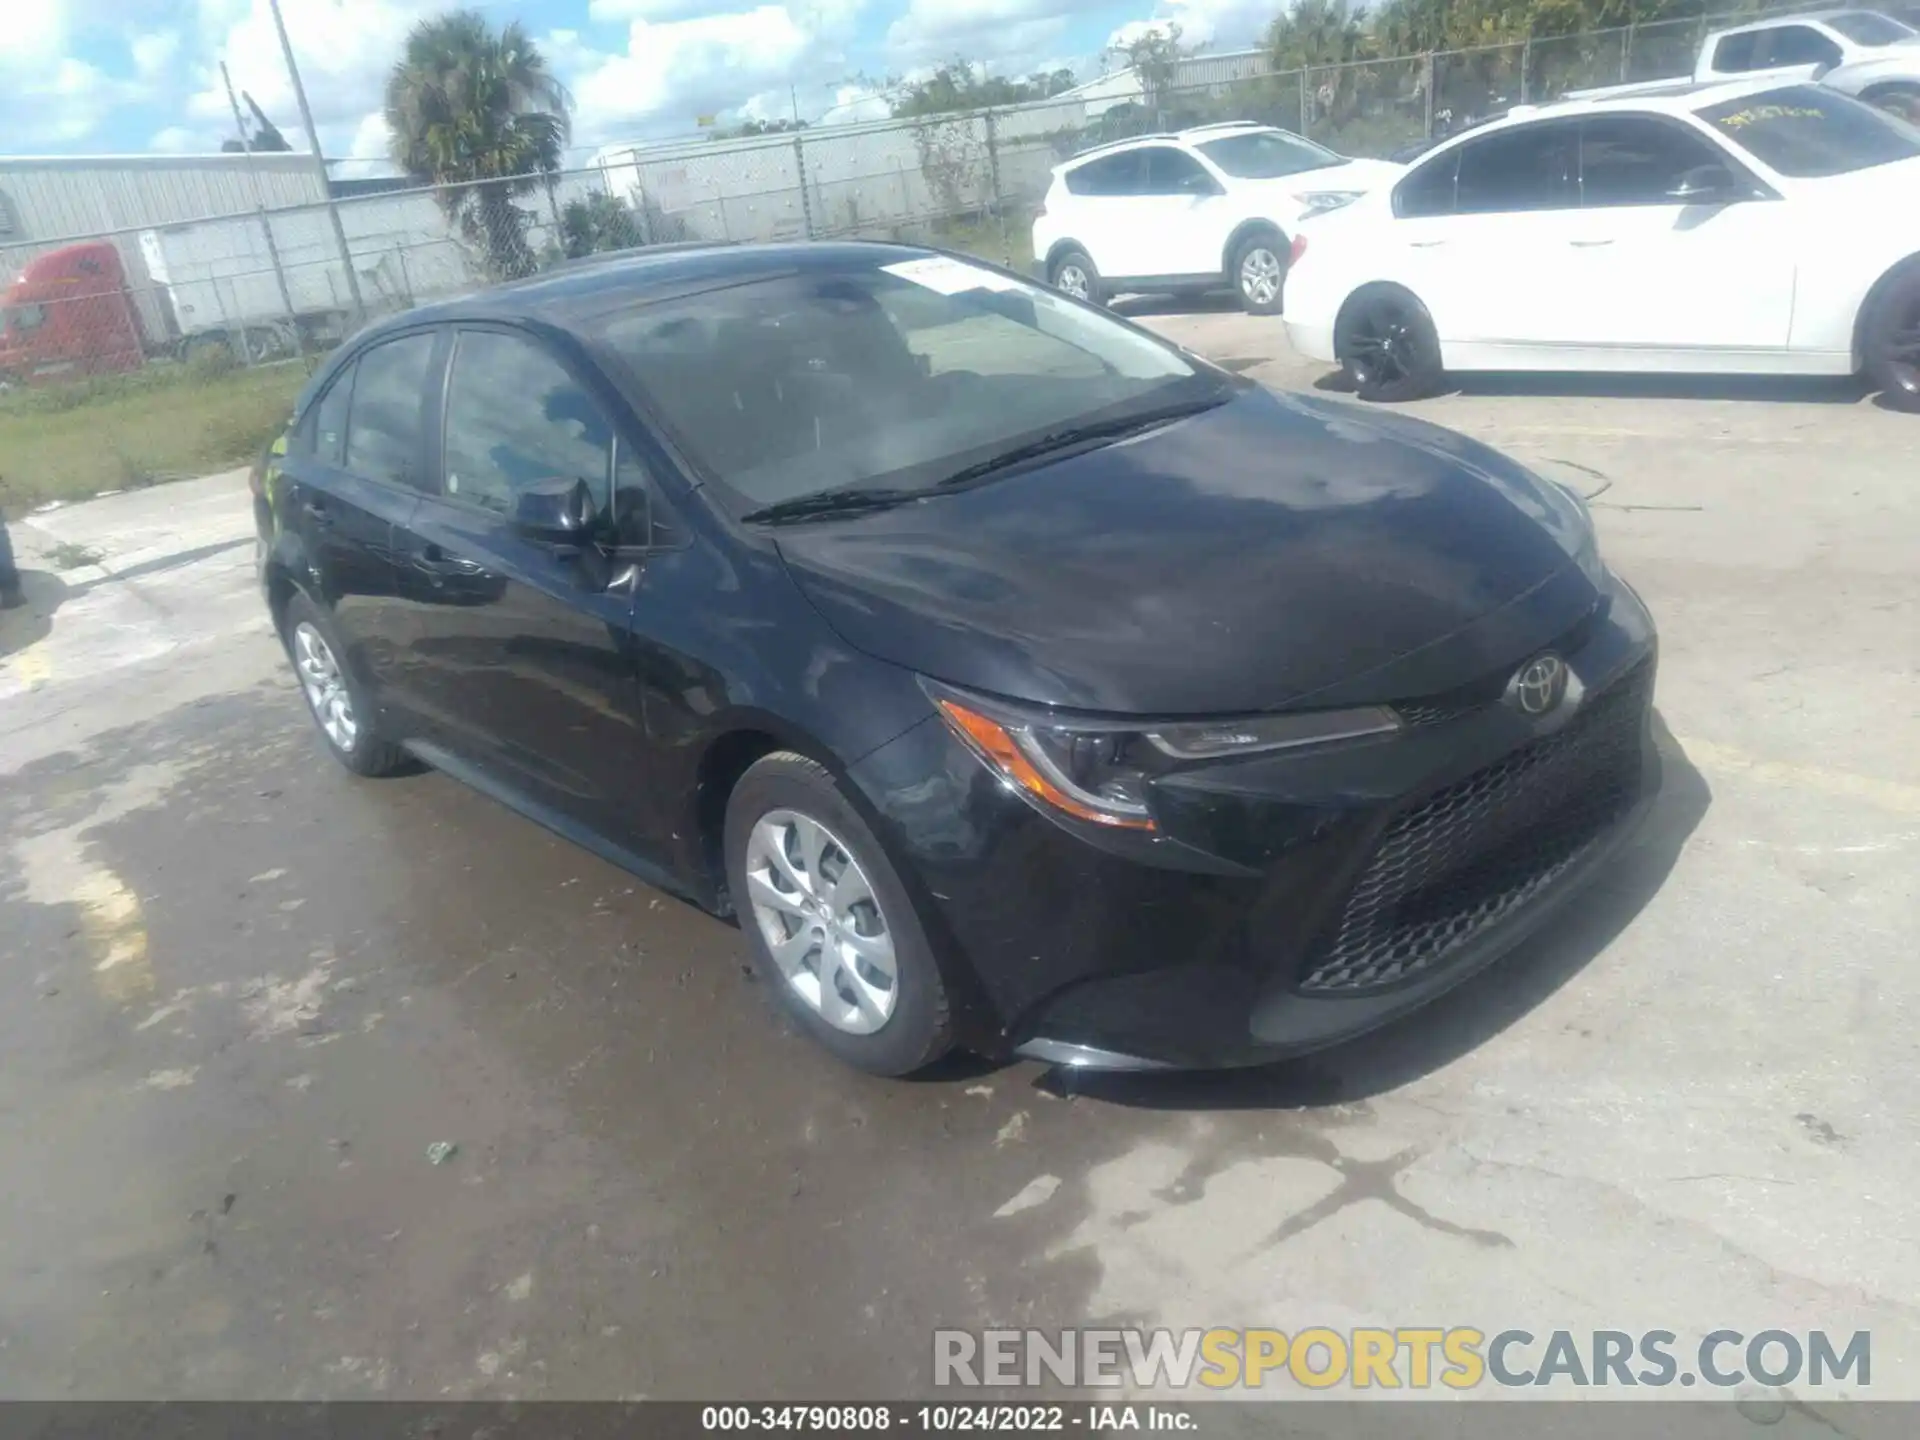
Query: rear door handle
[[316, 511], [1426, 244], [1590, 244]]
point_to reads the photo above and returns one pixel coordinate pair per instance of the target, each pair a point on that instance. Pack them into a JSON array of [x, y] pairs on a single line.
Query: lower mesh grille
[[1474, 852]]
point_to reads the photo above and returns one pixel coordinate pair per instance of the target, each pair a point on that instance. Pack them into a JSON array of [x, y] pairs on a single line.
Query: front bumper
[[1291, 901]]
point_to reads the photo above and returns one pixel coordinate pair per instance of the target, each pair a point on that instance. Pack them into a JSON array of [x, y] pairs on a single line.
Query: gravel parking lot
[[245, 995]]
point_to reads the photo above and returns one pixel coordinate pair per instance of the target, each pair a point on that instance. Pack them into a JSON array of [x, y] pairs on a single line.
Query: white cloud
[[854, 103], [346, 49], [679, 70], [177, 140], [1215, 24], [622, 10], [1009, 35], [153, 53]]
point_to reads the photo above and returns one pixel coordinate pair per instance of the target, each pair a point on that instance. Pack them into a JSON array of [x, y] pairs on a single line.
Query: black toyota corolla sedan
[[1017, 680]]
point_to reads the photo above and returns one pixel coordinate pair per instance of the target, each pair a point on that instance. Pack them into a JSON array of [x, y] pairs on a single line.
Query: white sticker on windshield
[[948, 276]]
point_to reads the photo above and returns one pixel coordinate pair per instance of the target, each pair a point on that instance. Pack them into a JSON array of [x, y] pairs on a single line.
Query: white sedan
[[1747, 228]]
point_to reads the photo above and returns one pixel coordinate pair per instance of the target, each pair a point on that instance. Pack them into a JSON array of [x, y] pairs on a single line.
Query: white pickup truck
[[1865, 53]]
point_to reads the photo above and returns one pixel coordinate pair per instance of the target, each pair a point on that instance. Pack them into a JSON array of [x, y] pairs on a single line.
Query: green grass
[[121, 432]]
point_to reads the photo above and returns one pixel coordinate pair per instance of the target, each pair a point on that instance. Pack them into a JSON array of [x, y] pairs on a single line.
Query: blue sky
[[117, 76]]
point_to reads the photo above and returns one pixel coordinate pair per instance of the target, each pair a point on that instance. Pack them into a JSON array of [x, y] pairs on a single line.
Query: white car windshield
[[1807, 131], [890, 374], [1870, 28], [1267, 155]]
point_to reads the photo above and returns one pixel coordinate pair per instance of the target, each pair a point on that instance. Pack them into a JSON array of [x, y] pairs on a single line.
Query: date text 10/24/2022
[[945, 1418]]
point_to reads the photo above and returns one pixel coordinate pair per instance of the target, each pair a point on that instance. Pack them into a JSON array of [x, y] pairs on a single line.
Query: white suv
[[1205, 209]]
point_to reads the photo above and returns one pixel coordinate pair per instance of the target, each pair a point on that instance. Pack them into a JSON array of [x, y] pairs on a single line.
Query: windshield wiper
[[1076, 436], [852, 500]]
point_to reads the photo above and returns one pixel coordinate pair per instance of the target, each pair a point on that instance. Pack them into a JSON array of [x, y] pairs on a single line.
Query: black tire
[[1258, 272], [1890, 341], [1062, 269], [918, 1028], [367, 753], [1388, 348]]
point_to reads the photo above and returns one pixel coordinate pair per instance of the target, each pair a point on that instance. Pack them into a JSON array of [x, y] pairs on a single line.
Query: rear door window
[[1174, 172], [385, 429], [327, 431], [1633, 160], [1110, 175], [1529, 167]]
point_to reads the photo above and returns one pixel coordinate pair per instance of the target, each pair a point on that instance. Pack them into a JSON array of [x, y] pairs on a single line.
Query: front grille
[[1468, 855]]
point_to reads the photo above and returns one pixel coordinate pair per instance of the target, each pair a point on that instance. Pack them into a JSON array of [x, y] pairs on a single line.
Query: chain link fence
[[242, 293]]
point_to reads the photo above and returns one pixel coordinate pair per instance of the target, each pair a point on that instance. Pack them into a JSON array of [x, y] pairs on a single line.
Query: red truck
[[69, 313]]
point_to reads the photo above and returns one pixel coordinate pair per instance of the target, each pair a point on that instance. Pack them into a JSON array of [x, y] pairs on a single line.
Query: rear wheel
[[341, 710], [1073, 273], [1891, 341], [831, 926], [1388, 348], [1259, 273]]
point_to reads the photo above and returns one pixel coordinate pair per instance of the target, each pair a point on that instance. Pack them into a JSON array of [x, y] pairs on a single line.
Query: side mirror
[[1706, 185], [558, 511]]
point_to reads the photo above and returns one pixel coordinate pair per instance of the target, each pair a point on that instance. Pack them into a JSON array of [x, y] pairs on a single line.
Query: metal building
[[60, 197]]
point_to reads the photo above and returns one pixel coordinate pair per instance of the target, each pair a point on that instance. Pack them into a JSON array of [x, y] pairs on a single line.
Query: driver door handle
[[1591, 244], [1425, 244]]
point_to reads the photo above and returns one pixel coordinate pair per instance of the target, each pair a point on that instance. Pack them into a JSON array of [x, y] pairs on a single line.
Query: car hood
[[1274, 551], [1359, 175]]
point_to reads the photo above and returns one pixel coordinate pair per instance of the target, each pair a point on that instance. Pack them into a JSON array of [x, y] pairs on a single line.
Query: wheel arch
[[1361, 293], [746, 739], [1244, 232], [1059, 248], [1889, 276]]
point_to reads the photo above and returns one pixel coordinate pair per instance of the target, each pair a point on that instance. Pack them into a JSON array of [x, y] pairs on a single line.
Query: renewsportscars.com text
[[1406, 1357]]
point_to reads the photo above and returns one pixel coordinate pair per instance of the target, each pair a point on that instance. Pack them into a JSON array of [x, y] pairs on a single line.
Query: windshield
[[1267, 154], [884, 375], [1869, 28], [1807, 131]]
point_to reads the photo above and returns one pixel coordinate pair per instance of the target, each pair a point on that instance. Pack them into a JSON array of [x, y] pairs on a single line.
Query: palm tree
[[479, 114]]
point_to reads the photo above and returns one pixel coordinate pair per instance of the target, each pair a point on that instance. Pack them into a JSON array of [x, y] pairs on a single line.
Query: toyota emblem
[[1540, 685]]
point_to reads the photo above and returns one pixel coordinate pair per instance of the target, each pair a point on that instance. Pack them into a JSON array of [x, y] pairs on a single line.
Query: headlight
[[1321, 201], [1098, 770]]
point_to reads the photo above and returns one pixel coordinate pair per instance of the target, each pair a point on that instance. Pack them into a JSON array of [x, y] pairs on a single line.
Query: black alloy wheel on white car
[[1388, 347], [1891, 341]]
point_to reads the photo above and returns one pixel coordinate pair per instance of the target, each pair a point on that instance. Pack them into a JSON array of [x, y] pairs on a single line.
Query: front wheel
[[1073, 273], [1891, 342], [831, 926], [1259, 273], [1388, 348]]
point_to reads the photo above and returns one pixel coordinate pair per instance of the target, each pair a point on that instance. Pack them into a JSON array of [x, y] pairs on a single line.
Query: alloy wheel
[[1072, 280], [1260, 275], [822, 922], [325, 686], [1381, 345], [1901, 345]]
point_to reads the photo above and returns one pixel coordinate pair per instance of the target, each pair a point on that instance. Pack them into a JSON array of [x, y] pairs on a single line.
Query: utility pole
[[319, 160], [260, 204]]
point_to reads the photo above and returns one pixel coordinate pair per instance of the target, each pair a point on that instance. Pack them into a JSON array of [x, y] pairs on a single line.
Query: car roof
[[575, 290], [1193, 135], [1799, 17], [1679, 97]]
